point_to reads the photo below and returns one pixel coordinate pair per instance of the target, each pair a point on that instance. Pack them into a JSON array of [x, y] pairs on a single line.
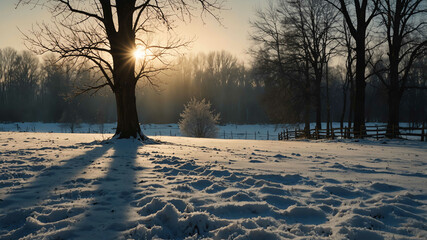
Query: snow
[[228, 131], [83, 186]]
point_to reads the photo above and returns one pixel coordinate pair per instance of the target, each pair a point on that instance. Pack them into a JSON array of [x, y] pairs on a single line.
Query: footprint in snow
[[256, 161]]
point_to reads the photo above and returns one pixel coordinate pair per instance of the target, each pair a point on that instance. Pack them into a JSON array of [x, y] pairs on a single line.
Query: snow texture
[[228, 131], [80, 186]]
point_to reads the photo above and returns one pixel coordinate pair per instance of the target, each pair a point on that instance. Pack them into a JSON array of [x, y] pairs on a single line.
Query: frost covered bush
[[198, 120]]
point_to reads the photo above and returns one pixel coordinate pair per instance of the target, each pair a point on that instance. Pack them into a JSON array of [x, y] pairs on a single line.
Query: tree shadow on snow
[[51, 178], [108, 213]]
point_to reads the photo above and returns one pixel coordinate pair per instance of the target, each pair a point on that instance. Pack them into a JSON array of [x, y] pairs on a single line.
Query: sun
[[142, 53], [139, 53]]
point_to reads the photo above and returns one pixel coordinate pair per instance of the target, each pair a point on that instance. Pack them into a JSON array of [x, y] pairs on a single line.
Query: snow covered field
[[76, 186]]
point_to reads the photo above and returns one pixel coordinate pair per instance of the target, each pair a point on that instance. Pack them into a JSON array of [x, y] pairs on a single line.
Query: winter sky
[[209, 36]]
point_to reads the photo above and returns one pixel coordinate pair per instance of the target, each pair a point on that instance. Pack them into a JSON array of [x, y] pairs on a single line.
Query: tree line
[[378, 50], [42, 89], [34, 89]]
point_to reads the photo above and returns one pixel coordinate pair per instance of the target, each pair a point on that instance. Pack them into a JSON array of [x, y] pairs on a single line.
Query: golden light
[[139, 53], [142, 53]]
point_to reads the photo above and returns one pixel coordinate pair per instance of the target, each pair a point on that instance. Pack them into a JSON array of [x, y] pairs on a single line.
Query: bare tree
[[280, 69], [405, 26], [19, 73], [267, 33], [310, 25], [358, 17], [107, 34], [348, 85], [295, 36]]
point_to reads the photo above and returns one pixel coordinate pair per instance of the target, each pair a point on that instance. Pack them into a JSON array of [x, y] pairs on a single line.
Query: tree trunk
[[127, 116], [307, 101], [307, 115], [394, 97], [351, 104], [122, 47], [394, 93], [328, 105], [359, 104], [344, 106], [318, 102]]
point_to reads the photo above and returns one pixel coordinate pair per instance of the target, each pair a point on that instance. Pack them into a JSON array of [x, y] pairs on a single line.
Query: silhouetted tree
[[280, 68], [358, 15], [19, 73], [309, 28], [296, 39], [347, 50], [404, 25], [107, 34]]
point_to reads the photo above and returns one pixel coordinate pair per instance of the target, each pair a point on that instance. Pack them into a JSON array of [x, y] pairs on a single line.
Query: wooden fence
[[376, 132]]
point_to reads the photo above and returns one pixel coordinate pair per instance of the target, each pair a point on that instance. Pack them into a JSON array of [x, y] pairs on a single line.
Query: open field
[[77, 186]]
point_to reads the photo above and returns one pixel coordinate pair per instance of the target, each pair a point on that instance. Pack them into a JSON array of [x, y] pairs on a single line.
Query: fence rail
[[348, 133]]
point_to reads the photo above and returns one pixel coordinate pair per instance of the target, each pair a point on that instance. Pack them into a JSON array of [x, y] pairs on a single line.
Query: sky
[[209, 35]]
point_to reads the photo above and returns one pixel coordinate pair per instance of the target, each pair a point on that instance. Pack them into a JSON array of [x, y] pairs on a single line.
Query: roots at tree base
[[138, 136]]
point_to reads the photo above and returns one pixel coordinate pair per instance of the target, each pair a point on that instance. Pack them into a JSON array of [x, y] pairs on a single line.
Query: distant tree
[[414, 100], [285, 96], [405, 26], [19, 73], [220, 76], [358, 15], [294, 38], [309, 26], [55, 86], [108, 34], [198, 120]]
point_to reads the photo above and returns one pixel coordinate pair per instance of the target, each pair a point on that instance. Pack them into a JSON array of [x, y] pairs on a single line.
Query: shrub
[[198, 120]]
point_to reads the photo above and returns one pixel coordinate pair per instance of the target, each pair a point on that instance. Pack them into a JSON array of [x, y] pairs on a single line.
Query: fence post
[[268, 136], [327, 131], [422, 133], [394, 133], [287, 134], [343, 133], [317, 133], [295, 133], [347, 132], [378, 134], [332, 133]]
